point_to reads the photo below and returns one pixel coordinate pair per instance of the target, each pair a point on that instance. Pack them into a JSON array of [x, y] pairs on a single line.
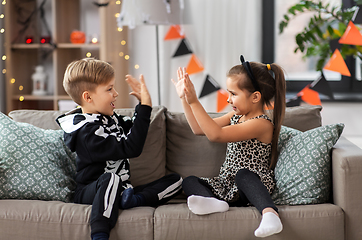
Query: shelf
[[31, 46], [78, 45], [35, 97]]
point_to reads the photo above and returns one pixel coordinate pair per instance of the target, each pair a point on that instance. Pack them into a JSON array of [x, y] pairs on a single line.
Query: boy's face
[[102, 99]]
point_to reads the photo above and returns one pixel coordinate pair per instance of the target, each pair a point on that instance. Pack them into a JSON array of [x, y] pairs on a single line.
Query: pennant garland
[[336, 63], [321, 85], [351, 36], [174, 33], [194, 65], [209, 87], [294, 101], [222, 97], [310, 96], [183, 48]]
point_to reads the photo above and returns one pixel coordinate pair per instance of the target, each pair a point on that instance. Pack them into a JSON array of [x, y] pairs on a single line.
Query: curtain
[[218, 32]]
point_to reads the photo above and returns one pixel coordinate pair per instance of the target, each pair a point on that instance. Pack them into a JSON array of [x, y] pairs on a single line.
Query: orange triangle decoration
[[351, 36], [174, 33], [222, 97], [310, 96], [337, 64], [194, 65]]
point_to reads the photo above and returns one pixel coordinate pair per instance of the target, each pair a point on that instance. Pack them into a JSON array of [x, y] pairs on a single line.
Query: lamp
[[151, 12]]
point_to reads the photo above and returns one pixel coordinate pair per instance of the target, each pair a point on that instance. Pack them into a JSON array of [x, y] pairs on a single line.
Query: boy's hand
[[139, 90], [180, 84]]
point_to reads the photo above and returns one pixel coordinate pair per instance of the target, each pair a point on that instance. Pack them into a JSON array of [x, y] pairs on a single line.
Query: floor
[[348, 113]]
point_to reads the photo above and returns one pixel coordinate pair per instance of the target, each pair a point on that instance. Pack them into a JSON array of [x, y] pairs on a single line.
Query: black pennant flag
[[321, 85], [183, 48], [210, 86], [294, 101]]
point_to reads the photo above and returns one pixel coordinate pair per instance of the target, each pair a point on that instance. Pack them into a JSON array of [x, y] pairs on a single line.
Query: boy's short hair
[[85, 75]]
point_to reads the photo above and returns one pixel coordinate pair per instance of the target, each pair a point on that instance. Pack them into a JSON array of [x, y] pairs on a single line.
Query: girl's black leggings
[[251, 190]]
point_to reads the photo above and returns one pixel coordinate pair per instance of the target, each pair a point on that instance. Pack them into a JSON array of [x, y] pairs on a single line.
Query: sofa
[[172, 147]]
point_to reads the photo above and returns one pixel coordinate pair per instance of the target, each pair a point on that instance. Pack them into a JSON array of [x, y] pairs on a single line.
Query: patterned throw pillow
[[34, 163], [303, 170]]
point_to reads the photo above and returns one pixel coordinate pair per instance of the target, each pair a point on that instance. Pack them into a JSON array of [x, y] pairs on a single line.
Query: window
[[299, 72]]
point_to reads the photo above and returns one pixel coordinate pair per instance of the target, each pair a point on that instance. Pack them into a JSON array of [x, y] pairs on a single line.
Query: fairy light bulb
[[3, 57], [119, 29], [121, 54], [123, 42], [21, 98], [2, 30], [116, 15], [3, 2], [126, 57], [118, 2], [2, 15], [88, 54], [136, 66], [21, 87], [12, 81]]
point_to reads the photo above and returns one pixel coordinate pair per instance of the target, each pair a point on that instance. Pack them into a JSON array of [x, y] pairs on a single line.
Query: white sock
[[270, 224], [206, 205]]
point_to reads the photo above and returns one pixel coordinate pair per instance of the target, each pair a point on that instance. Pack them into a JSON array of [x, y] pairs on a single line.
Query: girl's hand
[[139, 89], [190, 93], [179, 85]]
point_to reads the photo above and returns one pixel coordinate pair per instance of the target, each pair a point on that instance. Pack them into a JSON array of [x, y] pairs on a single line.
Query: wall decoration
[[209, 87], [321, 85], [194, 65], [222, 97], [175, 32], [351, 36], [183, 49], [310, 96], [336, 63]]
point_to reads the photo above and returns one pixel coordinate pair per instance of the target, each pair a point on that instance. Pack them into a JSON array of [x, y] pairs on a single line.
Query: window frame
[[347, 89]]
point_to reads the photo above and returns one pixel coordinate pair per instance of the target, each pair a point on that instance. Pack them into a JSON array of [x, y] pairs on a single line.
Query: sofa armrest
[[347, 180]]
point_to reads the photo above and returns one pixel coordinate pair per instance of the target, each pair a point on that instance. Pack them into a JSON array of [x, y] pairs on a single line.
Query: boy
[[104, 142]]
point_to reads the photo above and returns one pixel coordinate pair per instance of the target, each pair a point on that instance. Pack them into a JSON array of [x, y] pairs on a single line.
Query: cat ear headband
[[247, 67]]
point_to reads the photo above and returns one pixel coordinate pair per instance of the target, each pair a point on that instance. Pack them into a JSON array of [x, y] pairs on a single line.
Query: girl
[[246, 176]]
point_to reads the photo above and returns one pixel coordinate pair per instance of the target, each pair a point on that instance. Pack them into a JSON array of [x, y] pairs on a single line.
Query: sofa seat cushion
[[35, 219], [323, 221]]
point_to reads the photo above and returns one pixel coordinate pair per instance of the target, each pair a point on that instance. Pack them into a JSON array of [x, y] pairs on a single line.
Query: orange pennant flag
[[351, 36], [310, 96], [336, 63], [174, 33], [194, 65], [222, 97]]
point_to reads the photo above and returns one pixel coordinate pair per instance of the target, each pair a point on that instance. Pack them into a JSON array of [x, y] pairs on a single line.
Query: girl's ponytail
[[279, 109]]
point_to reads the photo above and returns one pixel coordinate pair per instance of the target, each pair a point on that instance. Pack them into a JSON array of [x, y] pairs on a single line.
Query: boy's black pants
[[104, 195]]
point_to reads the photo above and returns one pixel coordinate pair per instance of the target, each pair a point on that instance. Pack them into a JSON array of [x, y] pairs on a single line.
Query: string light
[[2, 15], [4, 71], [136, 66], [126, 57], [123, 42], [118, 2], [4, 2], [21, 98], [21, 87], [12, 81], [2, 30], [121, 54], [88, 54], [116, 15], [3, 57], [119, 29]]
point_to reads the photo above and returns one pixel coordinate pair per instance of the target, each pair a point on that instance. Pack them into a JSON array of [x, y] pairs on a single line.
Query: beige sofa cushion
[[186, 153], [322, 221], [34, 219]]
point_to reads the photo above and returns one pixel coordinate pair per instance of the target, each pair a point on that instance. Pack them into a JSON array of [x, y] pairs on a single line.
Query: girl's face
[[239, 99]]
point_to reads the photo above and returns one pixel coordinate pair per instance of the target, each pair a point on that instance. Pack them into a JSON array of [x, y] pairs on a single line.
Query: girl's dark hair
[[272, 88]]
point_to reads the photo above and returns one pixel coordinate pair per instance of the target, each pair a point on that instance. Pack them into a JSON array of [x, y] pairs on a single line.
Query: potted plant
[[327, 25]]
